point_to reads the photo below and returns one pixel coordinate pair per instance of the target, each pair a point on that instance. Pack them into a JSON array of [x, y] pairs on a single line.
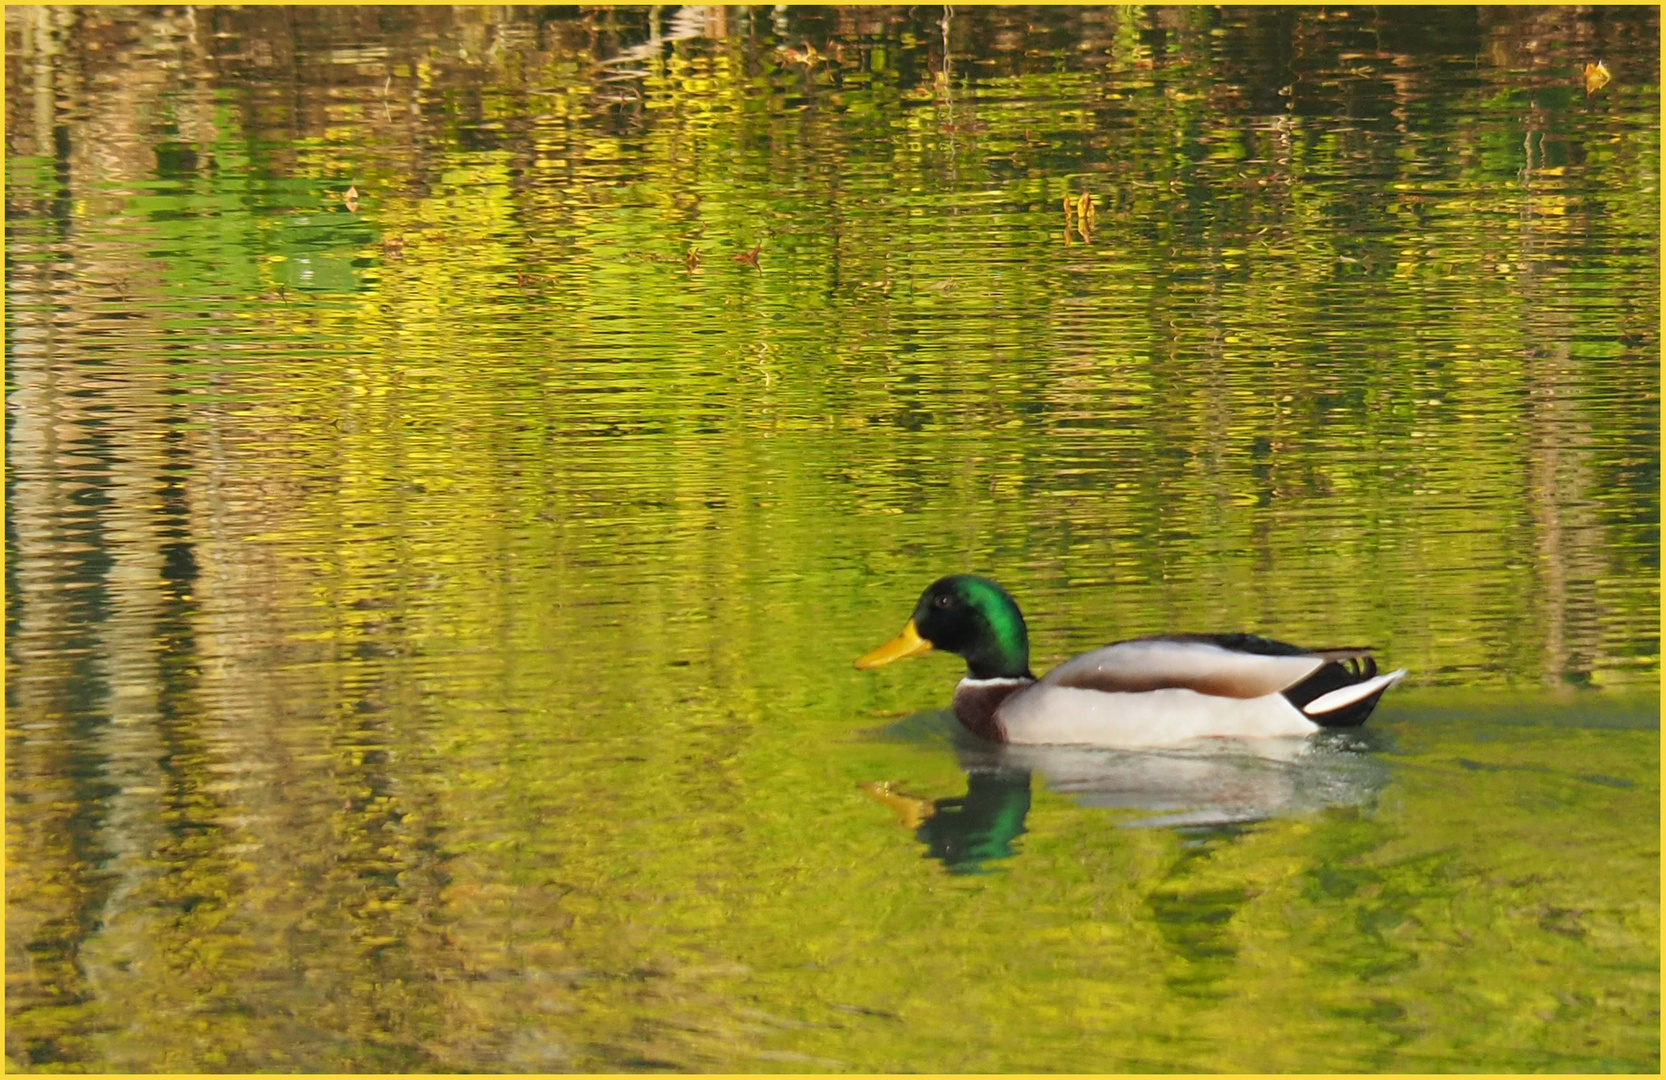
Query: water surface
[[453, 456]]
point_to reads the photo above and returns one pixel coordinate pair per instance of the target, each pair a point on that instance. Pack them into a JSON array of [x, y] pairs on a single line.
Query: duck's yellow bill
[[907, 643]]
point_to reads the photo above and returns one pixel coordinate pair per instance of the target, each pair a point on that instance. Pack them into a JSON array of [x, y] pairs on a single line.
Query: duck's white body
[[1062, 714], [1162, 692]]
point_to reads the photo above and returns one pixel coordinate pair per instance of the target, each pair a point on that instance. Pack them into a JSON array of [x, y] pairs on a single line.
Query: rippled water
[[454, 455]]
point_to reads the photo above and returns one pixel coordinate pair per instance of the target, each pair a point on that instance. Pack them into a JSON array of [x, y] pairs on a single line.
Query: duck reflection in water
[[1214, 785], [968, 831]]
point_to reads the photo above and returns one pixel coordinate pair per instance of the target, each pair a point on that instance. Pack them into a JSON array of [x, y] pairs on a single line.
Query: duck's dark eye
[[944, 601]]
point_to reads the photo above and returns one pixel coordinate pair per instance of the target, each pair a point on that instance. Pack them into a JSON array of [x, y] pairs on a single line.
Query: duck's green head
[[967, 615]]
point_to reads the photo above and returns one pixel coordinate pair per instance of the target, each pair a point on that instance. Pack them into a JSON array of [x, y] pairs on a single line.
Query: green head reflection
[[979, 827]]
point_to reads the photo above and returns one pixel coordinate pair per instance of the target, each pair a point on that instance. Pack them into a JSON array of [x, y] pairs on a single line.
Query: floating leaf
[[1083, 207], [1597, 76], [750, 258], [1079, 211], [808, 56], [351, 198], [691, 261]]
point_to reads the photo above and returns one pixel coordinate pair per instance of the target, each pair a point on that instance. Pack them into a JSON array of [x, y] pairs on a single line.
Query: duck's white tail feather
[[1351, 695]]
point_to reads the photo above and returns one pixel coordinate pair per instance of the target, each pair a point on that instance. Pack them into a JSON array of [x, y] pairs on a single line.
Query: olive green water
[[430, 610]]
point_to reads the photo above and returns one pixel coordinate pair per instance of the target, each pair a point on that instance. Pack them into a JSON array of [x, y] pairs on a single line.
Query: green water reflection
[[430, 611]]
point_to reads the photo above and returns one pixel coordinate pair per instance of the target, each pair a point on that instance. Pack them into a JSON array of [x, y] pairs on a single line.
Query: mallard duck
[[1150, 691]]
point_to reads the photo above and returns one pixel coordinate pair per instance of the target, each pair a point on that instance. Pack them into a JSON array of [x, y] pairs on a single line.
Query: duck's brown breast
[[977, 700]]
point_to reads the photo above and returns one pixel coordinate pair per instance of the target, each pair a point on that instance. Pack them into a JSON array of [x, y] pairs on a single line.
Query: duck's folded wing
[[1187, 663]]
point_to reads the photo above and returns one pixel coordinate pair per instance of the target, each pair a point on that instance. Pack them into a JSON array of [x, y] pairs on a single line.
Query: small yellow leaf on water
[[351, 198], [1597, 76]]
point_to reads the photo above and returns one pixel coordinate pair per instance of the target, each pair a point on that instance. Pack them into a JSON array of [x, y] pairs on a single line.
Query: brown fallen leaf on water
[[351, 198], [691, 261], [750, 258], [1081, 209], [1597, 76], [809, 57], [394, 247]]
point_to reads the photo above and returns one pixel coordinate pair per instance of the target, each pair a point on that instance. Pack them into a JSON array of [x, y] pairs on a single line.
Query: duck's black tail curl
[[1344, 668]]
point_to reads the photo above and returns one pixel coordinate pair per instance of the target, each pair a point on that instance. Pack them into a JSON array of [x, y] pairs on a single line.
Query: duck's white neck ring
[[976, 702]]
